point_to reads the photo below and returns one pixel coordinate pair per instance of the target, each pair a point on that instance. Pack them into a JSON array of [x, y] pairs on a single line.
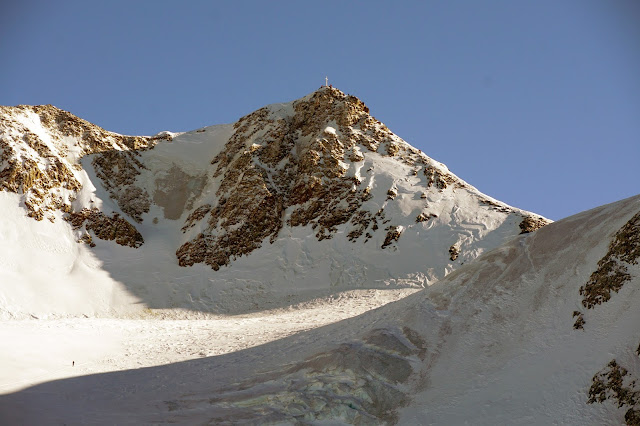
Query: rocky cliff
[[324, 162], [40, 152]]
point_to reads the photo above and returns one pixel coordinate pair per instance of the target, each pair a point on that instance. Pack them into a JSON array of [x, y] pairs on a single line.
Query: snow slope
[[508, 351], [492, 343]]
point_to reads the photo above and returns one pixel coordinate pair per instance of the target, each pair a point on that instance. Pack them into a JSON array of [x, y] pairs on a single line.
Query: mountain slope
[[493, 342], [293, 201], [510, 349], [324, 162]]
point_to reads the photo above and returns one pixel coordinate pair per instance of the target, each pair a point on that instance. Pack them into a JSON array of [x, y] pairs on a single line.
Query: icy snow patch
[[330, 130]]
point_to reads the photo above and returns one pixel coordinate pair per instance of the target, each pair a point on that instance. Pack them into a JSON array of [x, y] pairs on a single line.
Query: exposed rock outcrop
[[40, 151], [105, 227], [393, 235], [612, 270], [454, 252], [616, 384], [294, 163], [297, 165], [579, 324], [532, 223]]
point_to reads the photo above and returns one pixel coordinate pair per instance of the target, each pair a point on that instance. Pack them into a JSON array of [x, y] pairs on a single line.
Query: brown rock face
[[615, 383], [271, 165], [532, 223], [106, 228], [23, 170], [290, 167], [438, 179], [44, 171], [612, 270], [422, 217], [393, 235], [118, 171], [454, 252]]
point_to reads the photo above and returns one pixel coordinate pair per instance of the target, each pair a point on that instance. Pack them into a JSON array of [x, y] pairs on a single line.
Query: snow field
[[43, 350]]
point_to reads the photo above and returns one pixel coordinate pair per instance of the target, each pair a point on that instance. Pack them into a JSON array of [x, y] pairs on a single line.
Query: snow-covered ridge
[[321, 161], [41, 147], [305, 198]]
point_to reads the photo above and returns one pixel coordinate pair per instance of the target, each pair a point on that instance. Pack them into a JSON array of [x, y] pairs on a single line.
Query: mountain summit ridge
[[301, 164], [306, 196]]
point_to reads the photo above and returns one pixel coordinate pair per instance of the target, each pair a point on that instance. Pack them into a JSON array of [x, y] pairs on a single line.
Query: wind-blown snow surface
[[492, 343]]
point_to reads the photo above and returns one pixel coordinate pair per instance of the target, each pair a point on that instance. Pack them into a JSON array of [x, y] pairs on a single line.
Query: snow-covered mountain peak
[[300, 216], [308, 196], [324, 162]]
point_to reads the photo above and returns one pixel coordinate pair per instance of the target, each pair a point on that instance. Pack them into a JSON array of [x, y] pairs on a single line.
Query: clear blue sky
[[536, 103]]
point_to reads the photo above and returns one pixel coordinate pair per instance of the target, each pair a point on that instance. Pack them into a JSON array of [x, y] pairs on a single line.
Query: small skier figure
[[73, 363]]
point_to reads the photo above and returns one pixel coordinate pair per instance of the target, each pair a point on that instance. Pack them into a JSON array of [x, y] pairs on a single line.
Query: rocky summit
[[298, 198], [322, 162]]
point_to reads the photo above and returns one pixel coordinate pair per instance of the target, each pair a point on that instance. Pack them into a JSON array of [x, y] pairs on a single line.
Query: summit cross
[[326, 81]]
